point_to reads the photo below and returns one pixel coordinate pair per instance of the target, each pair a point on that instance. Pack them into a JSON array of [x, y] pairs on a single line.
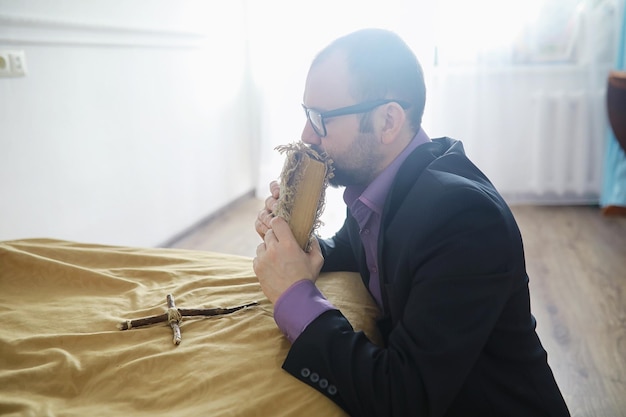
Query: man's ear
[[394, 119]]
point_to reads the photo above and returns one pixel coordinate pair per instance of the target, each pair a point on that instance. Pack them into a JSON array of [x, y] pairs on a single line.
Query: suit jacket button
[[305, 372], [323, 383], [314, 377], [332, 390]]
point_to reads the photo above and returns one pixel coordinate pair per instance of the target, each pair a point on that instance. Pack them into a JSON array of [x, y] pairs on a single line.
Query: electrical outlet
[[12, 63], [18, 63]]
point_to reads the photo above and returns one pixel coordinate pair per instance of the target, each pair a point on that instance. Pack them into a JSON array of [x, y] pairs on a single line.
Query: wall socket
[[12, 63]]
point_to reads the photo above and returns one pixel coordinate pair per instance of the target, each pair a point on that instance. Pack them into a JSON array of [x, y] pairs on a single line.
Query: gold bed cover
[[62, 355]]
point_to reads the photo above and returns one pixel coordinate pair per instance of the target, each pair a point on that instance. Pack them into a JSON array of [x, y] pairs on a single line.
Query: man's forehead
[[327, 84]]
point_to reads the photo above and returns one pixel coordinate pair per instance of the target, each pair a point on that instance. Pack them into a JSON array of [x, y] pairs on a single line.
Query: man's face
[[357, 156]]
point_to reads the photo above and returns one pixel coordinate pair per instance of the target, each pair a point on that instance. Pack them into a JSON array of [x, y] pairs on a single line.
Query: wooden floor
[[576, 259]]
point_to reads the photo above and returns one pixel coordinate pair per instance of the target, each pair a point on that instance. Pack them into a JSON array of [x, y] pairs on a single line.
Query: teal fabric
[[614, 184]]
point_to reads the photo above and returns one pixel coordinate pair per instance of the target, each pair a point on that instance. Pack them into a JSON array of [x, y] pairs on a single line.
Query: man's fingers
[[275, 189], [270, 202], [260, 249], [281, 229], [264, 217], [262, 222], [270, 237], [315, 247], [260, 228]]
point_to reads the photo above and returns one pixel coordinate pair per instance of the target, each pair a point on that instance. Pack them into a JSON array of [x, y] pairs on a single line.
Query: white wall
[[132, 123]]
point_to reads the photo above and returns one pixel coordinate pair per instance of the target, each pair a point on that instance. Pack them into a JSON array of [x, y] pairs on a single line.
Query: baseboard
[[204, 221]]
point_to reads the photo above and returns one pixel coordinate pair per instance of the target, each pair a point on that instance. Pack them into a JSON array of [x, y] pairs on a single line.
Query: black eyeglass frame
[[344, 111]]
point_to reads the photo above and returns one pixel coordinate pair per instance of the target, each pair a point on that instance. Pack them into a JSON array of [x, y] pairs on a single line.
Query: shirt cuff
[[297, 307]]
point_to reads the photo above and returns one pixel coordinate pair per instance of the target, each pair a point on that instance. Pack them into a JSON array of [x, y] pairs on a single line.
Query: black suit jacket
[[459, 336]]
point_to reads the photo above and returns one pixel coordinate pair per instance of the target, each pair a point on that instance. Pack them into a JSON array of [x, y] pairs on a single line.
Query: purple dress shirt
[[303, 302]]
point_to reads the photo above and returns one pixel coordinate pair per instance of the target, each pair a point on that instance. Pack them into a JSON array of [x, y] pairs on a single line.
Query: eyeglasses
[[317, 118]]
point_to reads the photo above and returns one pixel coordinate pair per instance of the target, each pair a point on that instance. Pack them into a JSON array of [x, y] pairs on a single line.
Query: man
[[434, 242]]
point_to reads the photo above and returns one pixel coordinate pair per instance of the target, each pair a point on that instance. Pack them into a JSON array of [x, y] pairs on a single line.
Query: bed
[[62, 354]]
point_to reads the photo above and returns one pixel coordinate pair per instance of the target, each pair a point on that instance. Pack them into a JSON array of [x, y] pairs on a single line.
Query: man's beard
[[359, 165]]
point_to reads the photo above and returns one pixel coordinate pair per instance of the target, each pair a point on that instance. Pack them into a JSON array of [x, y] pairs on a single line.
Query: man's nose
[[309, 136]]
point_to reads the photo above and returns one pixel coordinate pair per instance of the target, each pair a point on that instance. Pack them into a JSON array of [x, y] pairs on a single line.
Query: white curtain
[[500, 75], [614, 184], [528, 100]]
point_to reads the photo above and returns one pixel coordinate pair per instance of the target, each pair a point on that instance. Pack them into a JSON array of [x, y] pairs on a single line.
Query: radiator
[[567, 144]]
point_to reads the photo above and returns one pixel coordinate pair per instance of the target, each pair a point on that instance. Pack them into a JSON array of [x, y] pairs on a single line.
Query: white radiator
[[568, 130]]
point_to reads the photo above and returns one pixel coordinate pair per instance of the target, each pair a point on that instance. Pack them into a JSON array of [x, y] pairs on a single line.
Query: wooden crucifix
[[174, 316]]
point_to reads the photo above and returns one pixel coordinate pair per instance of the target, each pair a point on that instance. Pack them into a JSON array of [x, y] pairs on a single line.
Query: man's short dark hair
[[383, 66]]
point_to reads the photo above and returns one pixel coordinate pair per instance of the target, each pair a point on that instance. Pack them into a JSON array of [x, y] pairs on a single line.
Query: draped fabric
[[61, 353], [614, 186]]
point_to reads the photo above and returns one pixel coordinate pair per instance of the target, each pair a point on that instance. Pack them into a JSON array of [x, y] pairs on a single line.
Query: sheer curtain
[[528, 99], [520, 83], [614, 185]]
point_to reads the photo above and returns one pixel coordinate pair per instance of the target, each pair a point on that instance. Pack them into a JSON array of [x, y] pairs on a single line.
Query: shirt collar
[[374, 195]]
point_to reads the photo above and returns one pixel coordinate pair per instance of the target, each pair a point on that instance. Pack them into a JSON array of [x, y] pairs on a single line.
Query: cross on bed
[[174, 316]]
